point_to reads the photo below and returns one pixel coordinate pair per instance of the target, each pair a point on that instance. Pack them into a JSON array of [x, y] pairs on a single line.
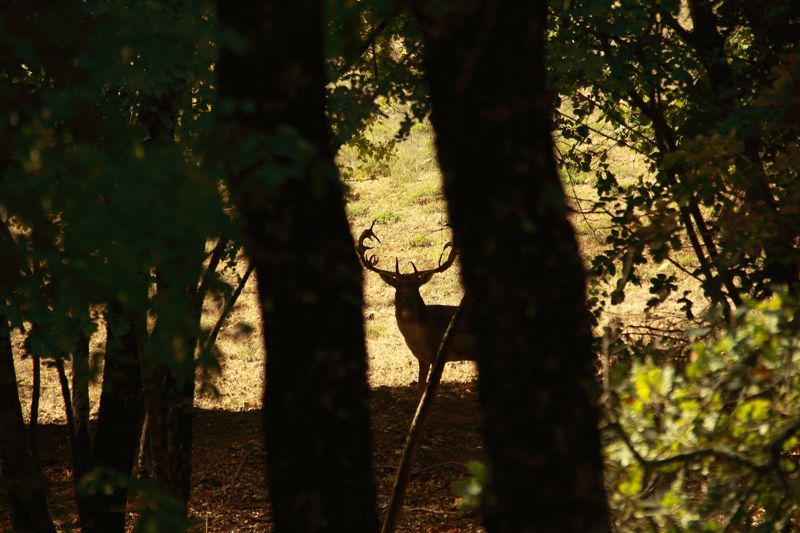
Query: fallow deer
[[421, 325]]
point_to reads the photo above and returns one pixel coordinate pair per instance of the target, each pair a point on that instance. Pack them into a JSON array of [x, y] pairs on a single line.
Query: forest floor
[[228, 481]]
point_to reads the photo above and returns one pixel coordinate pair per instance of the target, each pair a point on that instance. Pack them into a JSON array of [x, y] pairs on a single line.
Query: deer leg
[[423, 375]]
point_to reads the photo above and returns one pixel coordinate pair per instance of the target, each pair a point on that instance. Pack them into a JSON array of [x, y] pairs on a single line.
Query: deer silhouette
[[421, 325]]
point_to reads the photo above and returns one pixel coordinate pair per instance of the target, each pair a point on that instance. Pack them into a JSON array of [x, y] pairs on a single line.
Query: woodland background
[[180, 184]]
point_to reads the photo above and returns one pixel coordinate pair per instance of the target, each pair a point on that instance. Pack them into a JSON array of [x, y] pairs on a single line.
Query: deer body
[[421, 325], [424, 333]]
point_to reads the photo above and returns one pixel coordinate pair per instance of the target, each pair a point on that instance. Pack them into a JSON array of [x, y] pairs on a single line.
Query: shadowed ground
[[228, 491]]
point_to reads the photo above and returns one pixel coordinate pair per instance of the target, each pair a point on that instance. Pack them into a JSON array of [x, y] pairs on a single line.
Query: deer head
[[397, 278], [409, 306], [406, 284]]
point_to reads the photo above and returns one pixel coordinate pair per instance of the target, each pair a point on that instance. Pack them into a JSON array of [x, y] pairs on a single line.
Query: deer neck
[[410, 312]]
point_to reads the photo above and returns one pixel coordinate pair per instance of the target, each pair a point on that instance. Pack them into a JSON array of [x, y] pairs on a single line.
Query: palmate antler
[[369, 261]]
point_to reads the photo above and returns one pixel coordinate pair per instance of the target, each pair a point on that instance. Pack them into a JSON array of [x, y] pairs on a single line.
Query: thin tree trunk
[[309, 281], [79, 455], [690, 213], [169, 387], [119, 421], [81, 405], [713, 283], [719, 91], [153, 446], [777, 238], [21, 475], [228, 308], [36, 394], [491, 115], [169, 390], [415, 431], [170, 416]]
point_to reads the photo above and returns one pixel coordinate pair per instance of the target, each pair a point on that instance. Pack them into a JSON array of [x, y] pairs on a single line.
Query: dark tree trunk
[[119, 421], [181, 419], [36, 394], [169, 387], [81, 405], [169, 391], [315, 402], [21, 475], [491, 114], [170, 413]]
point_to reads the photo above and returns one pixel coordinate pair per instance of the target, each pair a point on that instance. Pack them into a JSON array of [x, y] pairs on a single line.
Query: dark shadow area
[[452, 438], [228, 488]]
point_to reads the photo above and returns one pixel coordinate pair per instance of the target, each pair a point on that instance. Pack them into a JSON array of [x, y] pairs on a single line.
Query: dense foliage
[[108, 200], [96, 197], [712, 446], [706, 94]]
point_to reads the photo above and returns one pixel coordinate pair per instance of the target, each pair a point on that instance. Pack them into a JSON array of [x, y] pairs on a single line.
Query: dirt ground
[[228, 487]]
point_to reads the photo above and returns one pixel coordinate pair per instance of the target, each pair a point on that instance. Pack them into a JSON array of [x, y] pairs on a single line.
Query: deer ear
[[425, 278]]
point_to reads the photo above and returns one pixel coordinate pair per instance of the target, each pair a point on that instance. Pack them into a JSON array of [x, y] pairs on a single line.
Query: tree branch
[[616, 140], [685, 35], [418, 425], [212, 338], [213, 263], [686, 457]]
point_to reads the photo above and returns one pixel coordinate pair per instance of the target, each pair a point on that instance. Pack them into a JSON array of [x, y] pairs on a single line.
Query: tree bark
[[119, 421], [81, 405], [21, 475], [309, 281], [169, 367], [491, 115], [170, 415], [36, 393], [169, 388]]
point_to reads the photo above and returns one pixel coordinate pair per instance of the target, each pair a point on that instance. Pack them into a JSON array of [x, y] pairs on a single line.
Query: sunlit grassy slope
[[403, 194]]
